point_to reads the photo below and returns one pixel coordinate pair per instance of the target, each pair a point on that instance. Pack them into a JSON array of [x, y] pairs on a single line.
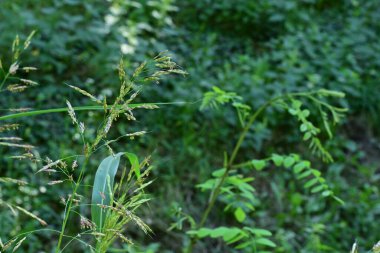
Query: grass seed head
[[376, 247], [13, 68], [50, 165], [71, 112], [28, 82], [86, 223]]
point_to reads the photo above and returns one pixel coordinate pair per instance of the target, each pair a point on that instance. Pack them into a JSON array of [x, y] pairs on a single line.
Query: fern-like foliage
[[236, 191], [309, 130], [302, 169], [217, 97]]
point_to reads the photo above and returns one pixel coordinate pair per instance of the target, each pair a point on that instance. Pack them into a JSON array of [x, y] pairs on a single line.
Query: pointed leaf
[[219, 173], [277, 159], [240, 215], [310, 183], [101, 193], [301, 166], [134, 162], [266, 242], [289, 161], [258, 164]]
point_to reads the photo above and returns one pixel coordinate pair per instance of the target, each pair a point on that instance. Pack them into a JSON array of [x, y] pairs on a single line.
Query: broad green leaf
[[219, 173], [304, 174], [258, 164], [266, 242], [219, 232], [316, 173], [258, 231], [296, 104], [277, 159], [311, 183], [293, 112], [101, 194], [203, 232], [237, 238], [228, 234], [231, 234], [240, 215], [244, 245], [326, 193], [289, 161], [318, 188], [305, 113], [306, 136], [301, 166], [209, 184]]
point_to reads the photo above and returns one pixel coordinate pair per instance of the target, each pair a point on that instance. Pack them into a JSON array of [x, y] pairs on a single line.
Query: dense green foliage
[[254, 50]]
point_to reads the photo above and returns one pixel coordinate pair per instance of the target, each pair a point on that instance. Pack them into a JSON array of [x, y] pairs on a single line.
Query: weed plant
[[113, 205]]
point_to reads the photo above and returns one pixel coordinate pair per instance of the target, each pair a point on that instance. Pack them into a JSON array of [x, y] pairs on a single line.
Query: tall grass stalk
[[122, 105], [70, 202]]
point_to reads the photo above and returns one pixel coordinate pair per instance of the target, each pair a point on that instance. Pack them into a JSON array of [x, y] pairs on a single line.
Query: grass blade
[[63, 109], [135, 163], [101, 194]]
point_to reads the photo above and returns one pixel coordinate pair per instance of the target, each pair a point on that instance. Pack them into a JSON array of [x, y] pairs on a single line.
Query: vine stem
[[217, 189]]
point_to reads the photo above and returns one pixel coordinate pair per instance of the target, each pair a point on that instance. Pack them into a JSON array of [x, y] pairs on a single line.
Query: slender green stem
[[70, 203], [217, 189], [230, 163], [5, 79]]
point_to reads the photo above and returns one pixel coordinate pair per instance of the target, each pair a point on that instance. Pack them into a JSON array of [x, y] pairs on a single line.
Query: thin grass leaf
[[64, 109], [135, 163]]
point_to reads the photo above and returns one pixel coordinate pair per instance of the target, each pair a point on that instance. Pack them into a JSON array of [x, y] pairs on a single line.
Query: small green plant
[[232, 187], [111, 214], [113, 204]]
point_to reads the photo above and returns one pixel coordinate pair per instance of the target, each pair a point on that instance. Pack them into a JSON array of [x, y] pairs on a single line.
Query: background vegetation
[[257, 49]]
